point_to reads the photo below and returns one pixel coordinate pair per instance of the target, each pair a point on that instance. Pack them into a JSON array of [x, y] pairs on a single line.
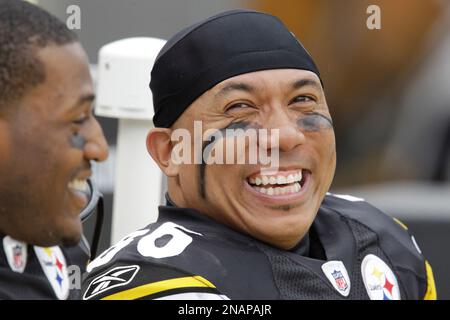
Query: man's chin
[[54, 240], [282, 239], [71, 241], [282, 226], [70, 234]]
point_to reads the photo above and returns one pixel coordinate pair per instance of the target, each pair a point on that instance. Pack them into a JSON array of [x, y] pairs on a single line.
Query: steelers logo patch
[[379, 280]]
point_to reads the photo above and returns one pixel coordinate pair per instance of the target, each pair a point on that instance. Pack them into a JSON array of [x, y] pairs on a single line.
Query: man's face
[[277, 207], [49, 141]]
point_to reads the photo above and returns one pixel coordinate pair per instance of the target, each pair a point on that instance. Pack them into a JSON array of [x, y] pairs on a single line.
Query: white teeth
[[281, 180], [276, 179], [280, 190], [80, 185], [290, 178]]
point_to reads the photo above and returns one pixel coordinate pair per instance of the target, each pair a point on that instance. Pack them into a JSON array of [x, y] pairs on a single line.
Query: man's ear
[[159, 146]]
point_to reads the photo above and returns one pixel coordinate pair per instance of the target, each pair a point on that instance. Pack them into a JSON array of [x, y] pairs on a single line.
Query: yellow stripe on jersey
[[401, 223], [160, 286], [431, 293]]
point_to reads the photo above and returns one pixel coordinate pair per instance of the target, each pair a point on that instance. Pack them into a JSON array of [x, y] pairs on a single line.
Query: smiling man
[[48, 138], [253, 230]]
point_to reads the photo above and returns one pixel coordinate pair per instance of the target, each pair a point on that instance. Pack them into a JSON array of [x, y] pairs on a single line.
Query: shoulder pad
[[142, 265], [393, 236]]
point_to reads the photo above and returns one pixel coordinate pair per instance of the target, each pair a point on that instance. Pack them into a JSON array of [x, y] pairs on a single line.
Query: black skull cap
[[223, 46]]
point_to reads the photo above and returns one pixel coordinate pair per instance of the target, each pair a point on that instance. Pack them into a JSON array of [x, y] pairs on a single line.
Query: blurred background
[[388, 90]]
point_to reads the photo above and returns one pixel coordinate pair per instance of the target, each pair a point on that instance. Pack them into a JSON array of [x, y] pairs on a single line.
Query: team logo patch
[[380, 281], [16, 254], [113, 278], [53, 264], [338, 276]]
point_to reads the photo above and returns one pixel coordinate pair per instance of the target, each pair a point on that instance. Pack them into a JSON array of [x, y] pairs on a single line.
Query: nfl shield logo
[[337, 274], [18, 260], [340, 280], [16, 254]]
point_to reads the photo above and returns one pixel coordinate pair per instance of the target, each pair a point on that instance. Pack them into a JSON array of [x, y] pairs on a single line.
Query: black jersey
[[30, 272], [352, 251]]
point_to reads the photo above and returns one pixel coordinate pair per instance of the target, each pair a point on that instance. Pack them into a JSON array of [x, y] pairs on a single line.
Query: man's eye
[[238, 106], [81, 120], [302, 99]]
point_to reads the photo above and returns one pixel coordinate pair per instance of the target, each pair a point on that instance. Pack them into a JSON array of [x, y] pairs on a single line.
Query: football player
[[244, 230], [48, 138]]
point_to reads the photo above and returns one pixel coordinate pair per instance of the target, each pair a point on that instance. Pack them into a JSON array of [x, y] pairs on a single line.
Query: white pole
[[138, 180]]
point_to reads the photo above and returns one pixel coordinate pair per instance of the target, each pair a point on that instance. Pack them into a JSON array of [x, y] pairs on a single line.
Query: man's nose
[[96, 147], [289, 135]]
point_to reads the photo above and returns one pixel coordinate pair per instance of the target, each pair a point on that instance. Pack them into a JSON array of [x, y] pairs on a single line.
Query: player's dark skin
[[48, 139], [289, 100], [77, 141]]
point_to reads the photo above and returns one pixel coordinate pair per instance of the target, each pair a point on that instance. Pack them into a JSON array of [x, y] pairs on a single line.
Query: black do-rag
[[223, 46]]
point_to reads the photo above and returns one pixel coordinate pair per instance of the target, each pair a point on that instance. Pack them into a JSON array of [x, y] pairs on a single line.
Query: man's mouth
[[80, 189], [80, 185], [279, 183]]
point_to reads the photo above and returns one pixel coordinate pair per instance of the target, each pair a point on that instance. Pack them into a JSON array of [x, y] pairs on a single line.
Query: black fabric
[[316, 250], [241, 267], [367, 243], [290, 274], [228, 44], [394, 240], [295, 281], [32, 284]]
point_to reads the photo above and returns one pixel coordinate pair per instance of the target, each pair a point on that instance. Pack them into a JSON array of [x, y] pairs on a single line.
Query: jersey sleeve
[[143, 265], [396, 241], [127, 281], [430, 293]]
